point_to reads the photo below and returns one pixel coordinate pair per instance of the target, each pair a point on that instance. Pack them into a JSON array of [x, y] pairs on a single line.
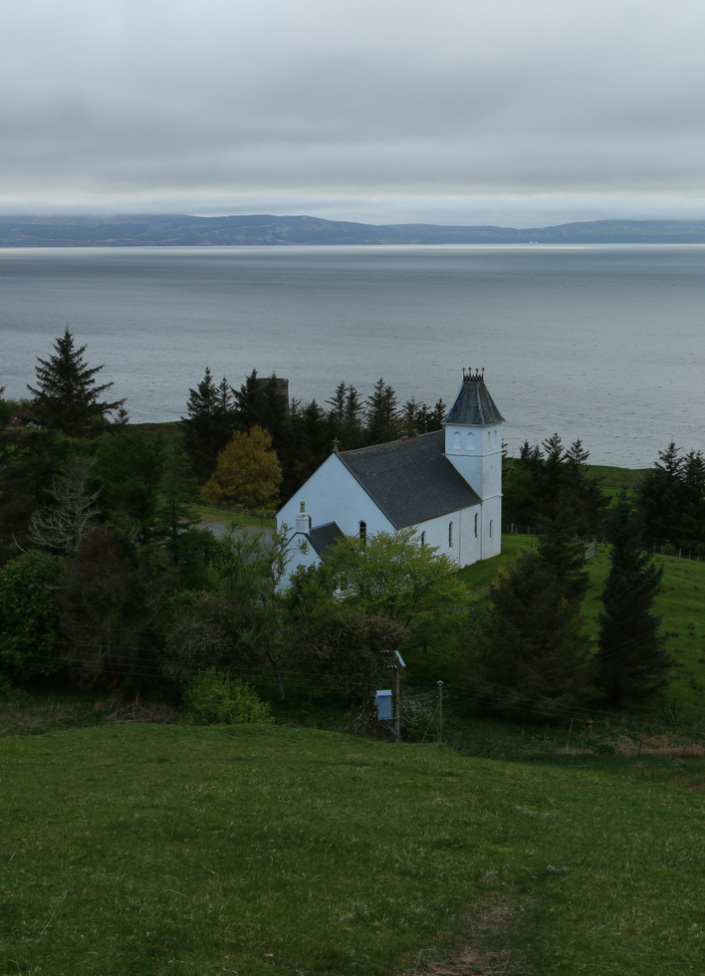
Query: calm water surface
[[605, 343]]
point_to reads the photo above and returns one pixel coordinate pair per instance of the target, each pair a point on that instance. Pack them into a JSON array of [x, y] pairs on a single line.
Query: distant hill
[[178, 229]]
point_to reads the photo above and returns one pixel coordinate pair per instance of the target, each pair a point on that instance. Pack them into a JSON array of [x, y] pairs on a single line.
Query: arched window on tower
[[363, 531], [471, 441], [476, 521], [489, 438], [450, 535], [456, 442], [423, 538]]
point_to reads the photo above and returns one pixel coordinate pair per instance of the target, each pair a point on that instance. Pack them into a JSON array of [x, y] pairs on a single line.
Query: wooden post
[[397, 703], [440, 711]]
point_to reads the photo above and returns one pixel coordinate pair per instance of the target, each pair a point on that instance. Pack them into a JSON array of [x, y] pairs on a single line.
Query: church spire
[[476, 377], [473, 405]]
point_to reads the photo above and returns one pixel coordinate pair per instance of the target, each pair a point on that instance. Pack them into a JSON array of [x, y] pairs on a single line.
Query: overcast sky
[[502, 111]]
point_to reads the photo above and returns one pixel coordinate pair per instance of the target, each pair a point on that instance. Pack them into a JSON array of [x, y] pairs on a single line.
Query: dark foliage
[[209, 425], [632, 663], [532, 658], [671, 500], [29, 459], [541, 484], [66, 397], [346, 646], [106, 604]]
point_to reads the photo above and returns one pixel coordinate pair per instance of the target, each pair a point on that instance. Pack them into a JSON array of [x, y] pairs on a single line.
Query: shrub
[[213, 698], [29, 616]]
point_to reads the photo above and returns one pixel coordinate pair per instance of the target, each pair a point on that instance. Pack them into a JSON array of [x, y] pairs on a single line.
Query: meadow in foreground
[[265, 850]]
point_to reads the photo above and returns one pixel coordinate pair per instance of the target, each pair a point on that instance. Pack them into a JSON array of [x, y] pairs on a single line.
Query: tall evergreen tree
[[542, 483], [66, 397], [209, 425], [382, 419], [632, 662], [564, 555], [671, 499], [531, 656], [260, 402]]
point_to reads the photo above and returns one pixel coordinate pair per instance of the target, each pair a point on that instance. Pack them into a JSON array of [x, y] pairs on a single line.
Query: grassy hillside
[[262, 850]]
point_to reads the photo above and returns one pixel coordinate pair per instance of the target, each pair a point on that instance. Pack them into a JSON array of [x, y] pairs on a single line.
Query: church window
[[423, 538], [471, 441], [490, 528], [489, 438], [450, 535], [476, 521], [495, 438], [363, 531], [456, 442]]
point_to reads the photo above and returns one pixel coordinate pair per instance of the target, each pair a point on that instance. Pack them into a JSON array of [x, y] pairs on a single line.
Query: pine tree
[[66, 397], [632, 663], [560, 551], [532, 658], [344, 417], [209, 425], [383, 422], [538, 486], [661, 497], [261, 403]]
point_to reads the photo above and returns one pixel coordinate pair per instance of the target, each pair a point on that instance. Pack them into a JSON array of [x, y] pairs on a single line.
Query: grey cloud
[[539, 107]]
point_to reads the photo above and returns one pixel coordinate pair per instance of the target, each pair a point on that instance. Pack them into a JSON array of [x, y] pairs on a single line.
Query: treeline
[[545, 482], [302, 435], [671, 501], [549, 479]]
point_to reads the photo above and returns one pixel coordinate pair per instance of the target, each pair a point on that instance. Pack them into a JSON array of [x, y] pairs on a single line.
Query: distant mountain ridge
[[163, 230]]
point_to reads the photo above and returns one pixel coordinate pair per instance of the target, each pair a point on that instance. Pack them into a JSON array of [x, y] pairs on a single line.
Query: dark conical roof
[[474, 405]]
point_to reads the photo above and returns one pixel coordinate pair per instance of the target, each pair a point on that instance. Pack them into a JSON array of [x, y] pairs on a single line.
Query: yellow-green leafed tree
[[247, 473]]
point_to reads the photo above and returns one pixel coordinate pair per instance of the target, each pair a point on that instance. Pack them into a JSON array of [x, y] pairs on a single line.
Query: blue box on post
[[384, 705]]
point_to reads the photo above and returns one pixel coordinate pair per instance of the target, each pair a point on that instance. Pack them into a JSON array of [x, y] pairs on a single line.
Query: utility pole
[[396, 698], [440, 711]]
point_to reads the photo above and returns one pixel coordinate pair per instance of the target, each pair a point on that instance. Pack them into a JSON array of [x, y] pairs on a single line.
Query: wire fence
[[468, 697]]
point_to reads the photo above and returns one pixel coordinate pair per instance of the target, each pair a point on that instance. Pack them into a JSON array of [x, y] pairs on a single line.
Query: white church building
[[447, 485]]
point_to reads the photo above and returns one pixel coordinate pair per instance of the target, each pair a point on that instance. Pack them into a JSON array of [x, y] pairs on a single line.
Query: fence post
[[440, 711]]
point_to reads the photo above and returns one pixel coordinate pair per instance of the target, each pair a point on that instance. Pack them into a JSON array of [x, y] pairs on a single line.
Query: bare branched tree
[[61, 526]]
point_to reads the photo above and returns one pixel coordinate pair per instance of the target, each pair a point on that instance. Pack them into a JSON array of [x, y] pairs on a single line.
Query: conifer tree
[[531, 656], [632, 662], [209, 425], [66, 397], [382, 420], [261, 403], [344, 417], [560, 551]]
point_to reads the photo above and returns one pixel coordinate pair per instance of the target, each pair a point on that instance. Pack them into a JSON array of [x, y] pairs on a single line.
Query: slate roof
[[474, 405], [323, 537], [410, 480]]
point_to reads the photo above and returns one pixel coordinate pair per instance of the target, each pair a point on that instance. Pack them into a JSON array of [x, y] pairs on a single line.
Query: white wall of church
[[332, 494], [492, 527], [453, 535]]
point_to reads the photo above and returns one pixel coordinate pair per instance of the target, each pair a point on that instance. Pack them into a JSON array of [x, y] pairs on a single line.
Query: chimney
[[303, 521]]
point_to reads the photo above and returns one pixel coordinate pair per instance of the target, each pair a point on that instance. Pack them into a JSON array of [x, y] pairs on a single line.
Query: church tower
[[473, 445]]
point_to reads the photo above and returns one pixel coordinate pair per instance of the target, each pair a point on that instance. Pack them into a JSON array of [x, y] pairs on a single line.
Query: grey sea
[[601, 343]]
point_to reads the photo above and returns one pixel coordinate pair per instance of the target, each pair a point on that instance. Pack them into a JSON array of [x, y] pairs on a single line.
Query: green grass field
[[209, 514], [151, 850]]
